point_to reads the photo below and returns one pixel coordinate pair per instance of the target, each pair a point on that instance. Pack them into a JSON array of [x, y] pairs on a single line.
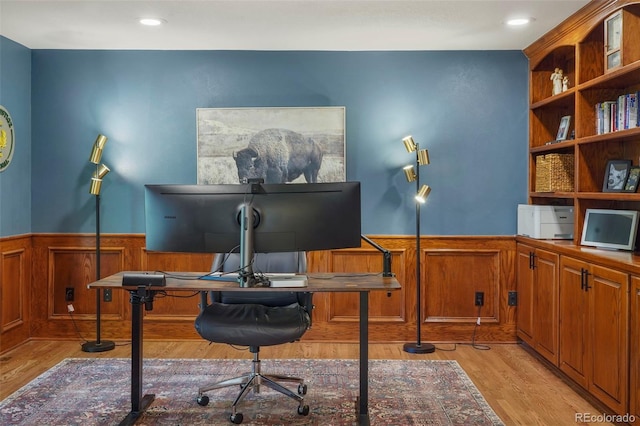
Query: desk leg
[[138, 402], [363, 403]]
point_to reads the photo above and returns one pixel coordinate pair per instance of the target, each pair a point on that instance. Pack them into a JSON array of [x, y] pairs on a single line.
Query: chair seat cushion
[[252, 324]]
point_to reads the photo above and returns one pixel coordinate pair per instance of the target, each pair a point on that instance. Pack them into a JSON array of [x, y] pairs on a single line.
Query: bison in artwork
[[279, 156]]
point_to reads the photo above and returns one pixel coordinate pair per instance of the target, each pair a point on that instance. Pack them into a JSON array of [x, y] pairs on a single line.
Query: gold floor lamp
[[96, 184], [422, 192]]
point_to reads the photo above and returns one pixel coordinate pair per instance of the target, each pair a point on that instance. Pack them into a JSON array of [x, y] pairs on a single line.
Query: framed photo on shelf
[[563, 129], [615, 175], [631, 185]]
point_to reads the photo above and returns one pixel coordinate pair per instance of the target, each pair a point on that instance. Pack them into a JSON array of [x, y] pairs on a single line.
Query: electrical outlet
[[513, 298], [69, 294], [107, 296], [479, 300]]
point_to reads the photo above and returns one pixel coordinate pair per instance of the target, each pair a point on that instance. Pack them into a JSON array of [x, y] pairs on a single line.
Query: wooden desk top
[[318, 282]]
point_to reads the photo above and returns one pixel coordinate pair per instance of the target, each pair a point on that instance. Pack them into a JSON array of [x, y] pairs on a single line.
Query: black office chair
[[256, 318]]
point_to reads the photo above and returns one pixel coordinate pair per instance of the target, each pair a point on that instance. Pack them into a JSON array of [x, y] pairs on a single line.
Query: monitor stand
[[246, 278]]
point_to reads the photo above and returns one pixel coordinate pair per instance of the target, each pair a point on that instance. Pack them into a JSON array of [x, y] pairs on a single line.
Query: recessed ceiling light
[[152, 22], [518, 22]]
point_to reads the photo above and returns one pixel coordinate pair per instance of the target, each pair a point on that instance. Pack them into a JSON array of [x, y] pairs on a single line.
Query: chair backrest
[[262, 263]]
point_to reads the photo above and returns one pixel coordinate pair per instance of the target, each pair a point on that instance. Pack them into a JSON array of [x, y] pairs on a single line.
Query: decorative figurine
[[556, 78], [565, 83]]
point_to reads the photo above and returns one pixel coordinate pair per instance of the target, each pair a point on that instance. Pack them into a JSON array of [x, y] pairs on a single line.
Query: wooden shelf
[[620, 135], [564, 99], [608, 196], [625, 76], [553, 147], [568, 195]]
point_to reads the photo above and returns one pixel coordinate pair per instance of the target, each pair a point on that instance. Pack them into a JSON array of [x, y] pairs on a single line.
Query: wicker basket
[[554, 172]]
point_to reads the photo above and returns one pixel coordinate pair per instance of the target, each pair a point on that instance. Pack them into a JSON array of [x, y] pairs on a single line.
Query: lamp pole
[[98, 291], [418, 347]]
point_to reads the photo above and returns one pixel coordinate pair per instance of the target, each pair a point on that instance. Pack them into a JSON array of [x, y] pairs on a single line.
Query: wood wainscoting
[[38, 269], [15, 295]]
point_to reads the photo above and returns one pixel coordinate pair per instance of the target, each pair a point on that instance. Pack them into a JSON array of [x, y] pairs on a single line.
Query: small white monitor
[[610, 229]]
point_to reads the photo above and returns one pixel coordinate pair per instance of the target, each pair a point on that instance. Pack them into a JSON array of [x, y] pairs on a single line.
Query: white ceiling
[[280, 25]]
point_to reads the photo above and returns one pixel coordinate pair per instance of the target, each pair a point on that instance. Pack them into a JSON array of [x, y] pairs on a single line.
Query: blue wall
[[469, 108], [15, 180]]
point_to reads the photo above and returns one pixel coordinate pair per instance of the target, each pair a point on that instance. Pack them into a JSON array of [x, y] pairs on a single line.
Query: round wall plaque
[[7, 139]]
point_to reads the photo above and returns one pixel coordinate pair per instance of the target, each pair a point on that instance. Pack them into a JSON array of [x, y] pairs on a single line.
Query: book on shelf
[[606, 117], [620, 114], [632, 118]]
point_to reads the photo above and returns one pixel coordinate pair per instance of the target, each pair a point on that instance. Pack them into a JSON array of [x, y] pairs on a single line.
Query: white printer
[[545, 222]]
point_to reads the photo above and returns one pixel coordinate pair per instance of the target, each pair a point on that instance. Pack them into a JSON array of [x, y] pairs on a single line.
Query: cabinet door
[[634, 352], [574, 331], [525, 293], [546, 305], [613, 40], [609, 319]]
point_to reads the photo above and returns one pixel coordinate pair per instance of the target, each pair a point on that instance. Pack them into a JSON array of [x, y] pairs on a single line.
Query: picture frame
[[240, 144], [615, 175], [563, 129], [631, 184]]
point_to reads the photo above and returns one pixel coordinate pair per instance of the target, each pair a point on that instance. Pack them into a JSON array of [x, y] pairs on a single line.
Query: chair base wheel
[[303, 410], [302, 389], [202, 400], [236, 418]]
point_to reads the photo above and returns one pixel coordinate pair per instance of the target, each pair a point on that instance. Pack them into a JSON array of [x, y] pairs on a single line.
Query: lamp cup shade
[[101, 171], [409, 173], [96, 151], [409, 144], [423, 157], [96, 184], [423, 193], [96, 155]]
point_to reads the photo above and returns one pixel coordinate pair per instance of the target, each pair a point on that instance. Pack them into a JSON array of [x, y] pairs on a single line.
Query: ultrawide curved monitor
[[288, 217]]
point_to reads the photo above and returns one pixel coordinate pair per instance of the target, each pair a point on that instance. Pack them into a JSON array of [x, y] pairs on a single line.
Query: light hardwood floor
[[518, 387]]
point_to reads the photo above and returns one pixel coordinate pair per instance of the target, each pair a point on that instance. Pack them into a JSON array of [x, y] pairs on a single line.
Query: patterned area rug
[[96, 392]]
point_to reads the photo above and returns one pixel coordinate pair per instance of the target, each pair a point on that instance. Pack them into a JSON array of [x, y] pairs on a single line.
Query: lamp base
[[102, 346], [415, 348]]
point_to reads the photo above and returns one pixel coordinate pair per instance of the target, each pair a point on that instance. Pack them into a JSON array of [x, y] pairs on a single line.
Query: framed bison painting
[[279, 145]]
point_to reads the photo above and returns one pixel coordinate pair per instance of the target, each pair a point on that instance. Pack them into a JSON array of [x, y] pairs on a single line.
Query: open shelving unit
[[580, 50]]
